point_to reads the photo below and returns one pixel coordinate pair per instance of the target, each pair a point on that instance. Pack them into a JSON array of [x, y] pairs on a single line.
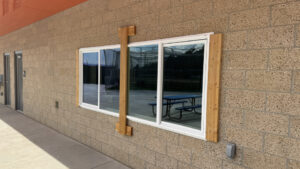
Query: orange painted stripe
[[15, 14]]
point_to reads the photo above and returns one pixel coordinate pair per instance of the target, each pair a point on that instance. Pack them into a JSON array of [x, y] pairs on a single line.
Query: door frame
[[6, 82]]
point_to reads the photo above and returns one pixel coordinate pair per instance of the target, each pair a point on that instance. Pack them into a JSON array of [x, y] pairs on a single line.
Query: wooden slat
[[123, 80], [128, 129], [131, 30], [121, 126], [213, 88], [77, 77]]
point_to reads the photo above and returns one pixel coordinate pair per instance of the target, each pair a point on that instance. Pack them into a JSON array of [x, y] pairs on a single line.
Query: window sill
[[95, 108]]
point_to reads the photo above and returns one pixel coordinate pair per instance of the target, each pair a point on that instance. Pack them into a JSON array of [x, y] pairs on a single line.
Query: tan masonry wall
[[260, 87]]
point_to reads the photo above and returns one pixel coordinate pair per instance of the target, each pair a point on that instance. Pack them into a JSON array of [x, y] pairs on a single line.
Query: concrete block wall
[[260, 90]]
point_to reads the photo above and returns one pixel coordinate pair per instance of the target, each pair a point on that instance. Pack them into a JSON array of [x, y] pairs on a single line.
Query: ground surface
[[27, 144]]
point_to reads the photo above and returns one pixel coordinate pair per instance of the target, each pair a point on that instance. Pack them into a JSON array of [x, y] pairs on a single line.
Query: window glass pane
[[109, 79], [90, 78], [143, 81], [183, 74]]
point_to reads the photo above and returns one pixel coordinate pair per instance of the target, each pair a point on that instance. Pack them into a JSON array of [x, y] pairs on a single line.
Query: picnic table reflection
[[172, 100]]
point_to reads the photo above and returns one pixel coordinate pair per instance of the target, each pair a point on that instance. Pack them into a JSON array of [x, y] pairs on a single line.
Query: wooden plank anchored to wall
[[213, 88], [77, 77], [121, 126]]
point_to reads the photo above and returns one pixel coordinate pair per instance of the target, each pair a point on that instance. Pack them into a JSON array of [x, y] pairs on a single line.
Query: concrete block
[[179, 153], [116, 4], [269, 80], [258, 160], [285, 59], [204, 161], [151, 166], [245, 99], [293, 164], [250, 59], [136, 162], [284, 103], [250, 19], [200, 9], [273, 37], [168, 136], [180, 2], [172, 15], [244, 137], [231, 117], [297, 36], [191, 143], [216, 24], [233, 79], [146, 154], [267, 122], [159, 5], [259, 3], [284, 14], [295, 126], [222, 7], [228, 165], [139, 9], [296, 85], [282, 146], [165, 162], [235, 40]]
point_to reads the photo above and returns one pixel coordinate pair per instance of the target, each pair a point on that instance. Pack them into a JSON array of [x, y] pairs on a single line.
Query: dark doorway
[[19, 80], [6, 78]]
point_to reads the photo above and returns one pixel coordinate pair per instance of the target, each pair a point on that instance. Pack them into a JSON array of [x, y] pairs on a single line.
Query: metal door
[[7, 79], [19, 80]]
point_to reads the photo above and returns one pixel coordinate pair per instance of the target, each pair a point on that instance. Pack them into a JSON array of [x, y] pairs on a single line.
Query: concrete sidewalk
[[27, 144]]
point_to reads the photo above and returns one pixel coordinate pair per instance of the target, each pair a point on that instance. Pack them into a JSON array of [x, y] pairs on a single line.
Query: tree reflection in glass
[[109, 79], [182, 84], [90, 78], [143, 81]]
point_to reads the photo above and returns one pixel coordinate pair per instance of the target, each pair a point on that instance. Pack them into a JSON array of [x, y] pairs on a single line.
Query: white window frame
[[81, 103], [177, 128]]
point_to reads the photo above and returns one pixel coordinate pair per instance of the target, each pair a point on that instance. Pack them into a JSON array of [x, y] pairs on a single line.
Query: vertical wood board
[[213, 88], [121, 126], [123, 80], [77, 77]]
